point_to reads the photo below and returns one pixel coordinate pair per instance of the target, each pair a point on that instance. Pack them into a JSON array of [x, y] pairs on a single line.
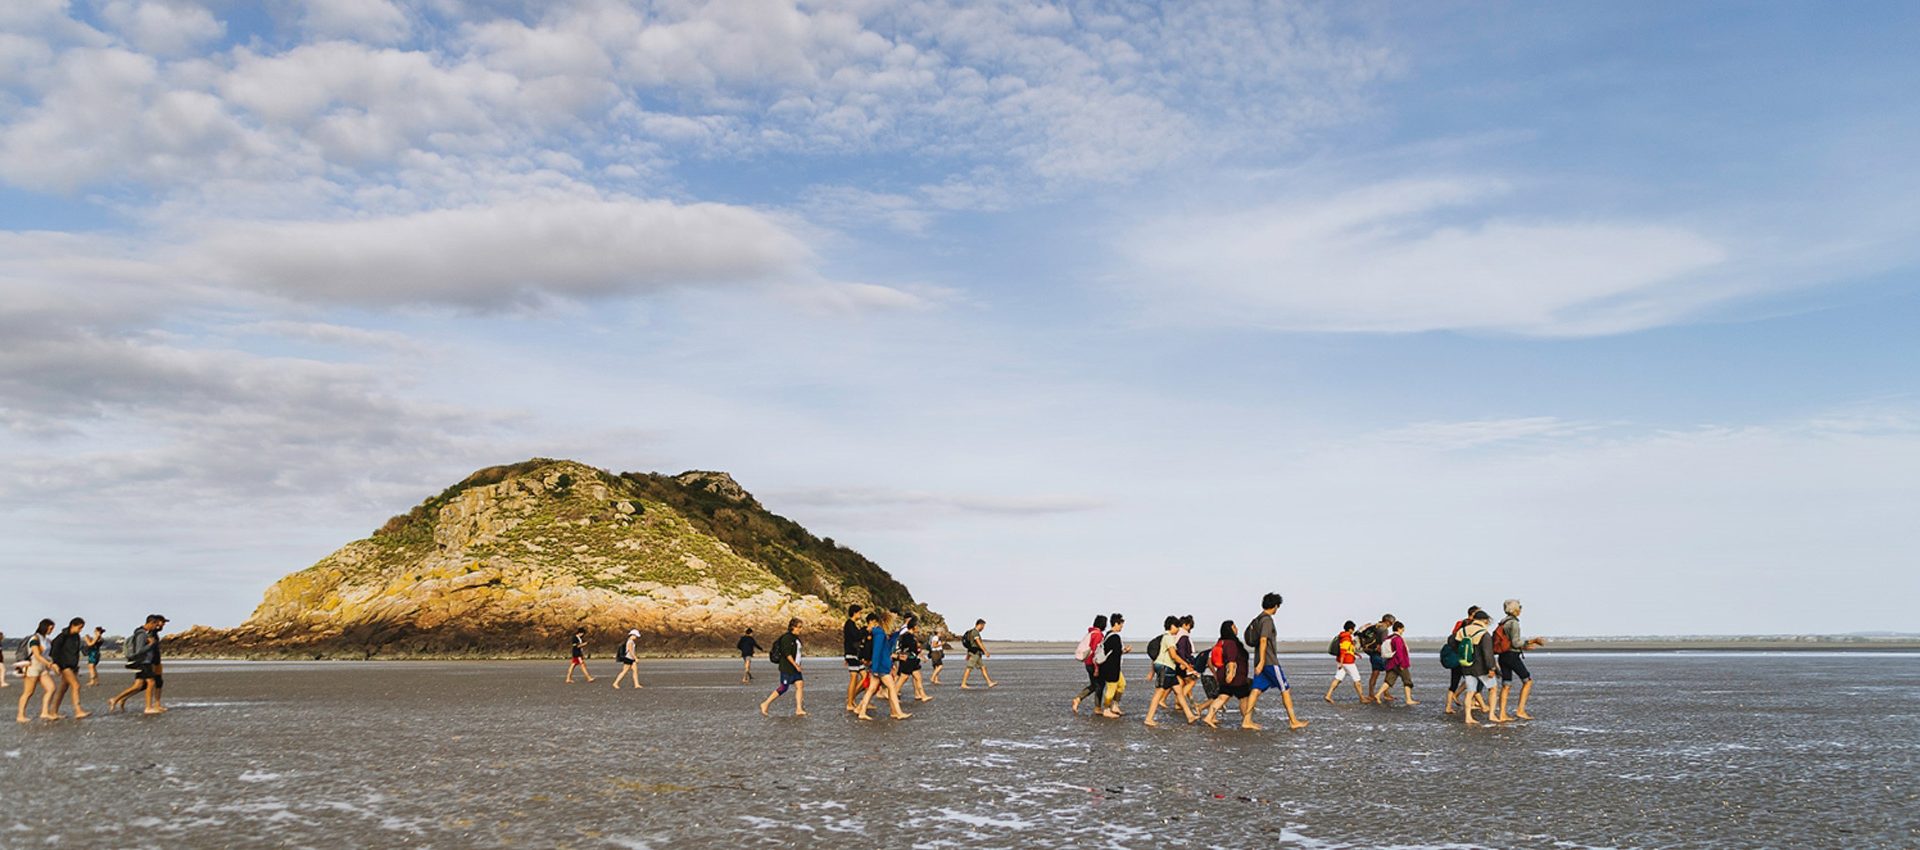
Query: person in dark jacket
[[1476, 674], [1113, 683], [851, 637], [748, 648], [786, 654], [143, 657], [65, 654]]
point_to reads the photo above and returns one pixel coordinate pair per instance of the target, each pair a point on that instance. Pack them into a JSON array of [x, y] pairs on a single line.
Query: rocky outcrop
[[511, 560]]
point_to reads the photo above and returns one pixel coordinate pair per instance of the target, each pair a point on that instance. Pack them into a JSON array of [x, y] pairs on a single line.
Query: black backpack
[[1153, 649], [1333, 646]]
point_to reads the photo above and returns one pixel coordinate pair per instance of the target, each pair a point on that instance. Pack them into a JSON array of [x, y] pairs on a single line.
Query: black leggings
[[1094, 686]]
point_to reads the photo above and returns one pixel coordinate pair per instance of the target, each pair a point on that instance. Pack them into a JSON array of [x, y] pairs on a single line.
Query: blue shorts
[[1270, 677], [1376, 661]]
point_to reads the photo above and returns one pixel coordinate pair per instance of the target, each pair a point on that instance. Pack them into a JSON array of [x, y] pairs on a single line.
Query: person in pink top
[[1399, 663]]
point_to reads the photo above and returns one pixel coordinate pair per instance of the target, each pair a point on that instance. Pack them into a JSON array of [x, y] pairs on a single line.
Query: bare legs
[[627, 670], [892, 685], [69, 686], [44, 685], [577, 664], [799, 699]]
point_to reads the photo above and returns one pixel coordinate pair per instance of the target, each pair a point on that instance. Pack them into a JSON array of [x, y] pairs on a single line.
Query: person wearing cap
[[627, 660], [143, 657]]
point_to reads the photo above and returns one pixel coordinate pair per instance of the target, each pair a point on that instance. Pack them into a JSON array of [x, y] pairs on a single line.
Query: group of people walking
[[882, 655], [884, 651], [1242, 665], [49, 664]]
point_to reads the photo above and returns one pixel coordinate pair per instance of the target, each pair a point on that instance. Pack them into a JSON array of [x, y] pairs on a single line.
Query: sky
[[1050, 309]]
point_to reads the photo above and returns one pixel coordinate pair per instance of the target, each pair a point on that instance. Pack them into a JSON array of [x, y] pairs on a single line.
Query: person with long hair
[[65, 652], [1229, 662], [39, 674]]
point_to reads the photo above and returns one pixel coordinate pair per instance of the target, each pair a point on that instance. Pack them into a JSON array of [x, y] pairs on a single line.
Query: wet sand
[[1630, 750]]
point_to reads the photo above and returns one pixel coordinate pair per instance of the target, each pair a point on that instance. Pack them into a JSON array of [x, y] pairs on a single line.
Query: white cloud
[[1416, 256], [502, 255], [162, 27], [373, 21]]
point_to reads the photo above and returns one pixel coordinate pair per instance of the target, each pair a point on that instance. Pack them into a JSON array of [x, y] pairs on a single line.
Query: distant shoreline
[[1065, 649]]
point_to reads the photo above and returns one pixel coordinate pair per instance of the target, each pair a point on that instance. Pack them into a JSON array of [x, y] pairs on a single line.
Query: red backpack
[[1501, 642]]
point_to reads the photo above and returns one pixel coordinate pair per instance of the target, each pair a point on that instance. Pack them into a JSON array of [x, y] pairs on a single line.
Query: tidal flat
[[1629, 750]]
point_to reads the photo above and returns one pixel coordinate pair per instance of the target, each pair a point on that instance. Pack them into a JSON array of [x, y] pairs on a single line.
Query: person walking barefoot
[[852, 642], [39, 674], [977, 654], [748, 647], [65, 653], [1113, 682], [908, 651], [629, 660], [1345, 658], [1399, 664], [936, 656], [786, 656], [1266, 664], [143, 658], [92, 651], [1453, 677], [1166, 671], [579, 658], [1476, 664], [880, 674], [1228, 659], [1087, 652], [1510, 651]]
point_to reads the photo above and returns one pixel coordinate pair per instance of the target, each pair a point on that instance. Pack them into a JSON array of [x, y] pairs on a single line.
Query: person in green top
[[786, 654]]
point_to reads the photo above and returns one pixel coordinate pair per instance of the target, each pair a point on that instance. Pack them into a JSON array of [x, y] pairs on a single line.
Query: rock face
[[511, 560]]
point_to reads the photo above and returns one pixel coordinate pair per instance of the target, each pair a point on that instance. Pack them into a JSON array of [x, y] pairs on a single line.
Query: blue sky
[[1051, 309]]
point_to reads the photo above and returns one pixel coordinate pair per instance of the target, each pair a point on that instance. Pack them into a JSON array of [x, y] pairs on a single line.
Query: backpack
[[1153, 649], [137, 644], [1457, 651], [773, 654], [1084, 652], [1502, 643], [1370, 640], [1333, 646]]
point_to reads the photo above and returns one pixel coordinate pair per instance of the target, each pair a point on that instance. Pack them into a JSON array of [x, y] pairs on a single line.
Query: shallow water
[[1658, 750]]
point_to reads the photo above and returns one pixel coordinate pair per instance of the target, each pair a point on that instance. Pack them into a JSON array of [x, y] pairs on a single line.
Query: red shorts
[[579, 662]]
